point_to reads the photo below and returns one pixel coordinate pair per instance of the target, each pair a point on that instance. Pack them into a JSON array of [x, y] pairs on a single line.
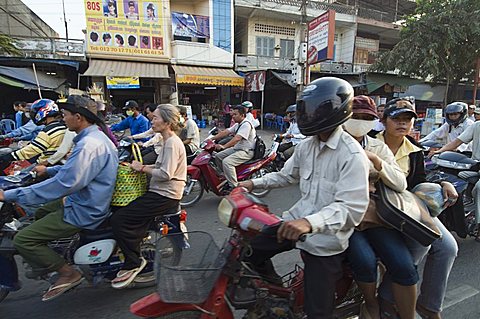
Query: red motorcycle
[[210, 283], [204, 175]]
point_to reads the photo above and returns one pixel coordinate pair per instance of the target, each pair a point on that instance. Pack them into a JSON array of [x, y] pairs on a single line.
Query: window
[[287, 48], [273, 29], [222, 20], [265, 46]]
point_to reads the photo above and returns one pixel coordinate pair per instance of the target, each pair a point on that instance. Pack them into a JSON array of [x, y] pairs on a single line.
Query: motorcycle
[[209, 282], [203, 175], [93, 252], [455, 168]]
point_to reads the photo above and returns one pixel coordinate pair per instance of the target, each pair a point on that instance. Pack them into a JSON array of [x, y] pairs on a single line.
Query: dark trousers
[[149, 156], [321, 274], [130, 224]]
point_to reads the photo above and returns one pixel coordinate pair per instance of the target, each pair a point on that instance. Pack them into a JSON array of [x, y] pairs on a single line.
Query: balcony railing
[[51, 48], [246, 62]]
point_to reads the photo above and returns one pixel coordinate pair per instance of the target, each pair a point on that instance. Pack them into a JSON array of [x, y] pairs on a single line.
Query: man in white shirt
[[293, 136], [471, 111], [249, 116], [191, 138], [456, 122], [239, 149], [331, 169]]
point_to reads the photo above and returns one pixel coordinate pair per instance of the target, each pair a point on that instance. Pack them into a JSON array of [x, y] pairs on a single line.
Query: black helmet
[[324, 105], [292, 108], [456, 107]]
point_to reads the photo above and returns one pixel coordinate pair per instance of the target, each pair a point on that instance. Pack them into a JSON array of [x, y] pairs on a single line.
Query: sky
[[51, 12]]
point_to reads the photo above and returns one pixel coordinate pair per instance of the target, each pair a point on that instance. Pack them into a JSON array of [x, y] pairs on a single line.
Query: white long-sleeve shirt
[[443, 133], [154, 141], [333, 181], [295, 131]]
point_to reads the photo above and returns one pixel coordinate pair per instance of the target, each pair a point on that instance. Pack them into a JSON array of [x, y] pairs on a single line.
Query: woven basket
[[130, 184]]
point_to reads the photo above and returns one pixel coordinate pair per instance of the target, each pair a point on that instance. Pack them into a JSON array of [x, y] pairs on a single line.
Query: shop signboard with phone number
[[321, 35], [132, 28]]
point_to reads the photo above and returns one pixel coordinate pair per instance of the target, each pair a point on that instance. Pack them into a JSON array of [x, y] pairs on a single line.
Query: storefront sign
[[321, 35], [126, 27], [119, 82], [190, 25], [210, 80], [255, 81]]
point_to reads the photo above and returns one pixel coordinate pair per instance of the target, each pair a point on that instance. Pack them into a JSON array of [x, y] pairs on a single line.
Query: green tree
[[7, 45], [440, 40]]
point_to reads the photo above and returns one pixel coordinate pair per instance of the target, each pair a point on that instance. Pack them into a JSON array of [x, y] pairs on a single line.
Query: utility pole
[[66, 24], [302, 58]]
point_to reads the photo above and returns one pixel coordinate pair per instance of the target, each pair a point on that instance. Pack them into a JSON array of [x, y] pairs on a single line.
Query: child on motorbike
[[332, 171], [169, 173], [398, 121]]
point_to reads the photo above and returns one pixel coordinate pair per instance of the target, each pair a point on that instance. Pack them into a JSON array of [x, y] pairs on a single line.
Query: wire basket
[[188, 277]]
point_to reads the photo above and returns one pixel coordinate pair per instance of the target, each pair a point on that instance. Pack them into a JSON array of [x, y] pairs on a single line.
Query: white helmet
[[247, 104]]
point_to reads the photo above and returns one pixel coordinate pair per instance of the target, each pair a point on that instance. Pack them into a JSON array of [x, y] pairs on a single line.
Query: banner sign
[[321, 36], [126, 27], [190, 25], [210, 80], [120, 82], [255, 81]]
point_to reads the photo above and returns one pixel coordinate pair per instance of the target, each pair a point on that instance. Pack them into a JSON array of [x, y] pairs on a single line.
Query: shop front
[[206, 89], [124, 80]]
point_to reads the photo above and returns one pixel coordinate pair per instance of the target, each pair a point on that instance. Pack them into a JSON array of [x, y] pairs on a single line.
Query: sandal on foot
[[61, 289], [126, 277], [427, 314]]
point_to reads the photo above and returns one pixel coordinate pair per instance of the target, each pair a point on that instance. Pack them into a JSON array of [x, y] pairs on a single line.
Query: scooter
[[93, 252], [455, 168], [209, 282], [204, 175]]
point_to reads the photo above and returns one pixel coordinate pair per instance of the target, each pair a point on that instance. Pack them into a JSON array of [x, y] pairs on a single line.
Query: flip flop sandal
[[63, 288], [131, 276]]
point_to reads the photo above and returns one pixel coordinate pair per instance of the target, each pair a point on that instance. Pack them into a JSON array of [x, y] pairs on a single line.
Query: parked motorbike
[[455, 168], [93, 252], [209, 282], [204, 175]]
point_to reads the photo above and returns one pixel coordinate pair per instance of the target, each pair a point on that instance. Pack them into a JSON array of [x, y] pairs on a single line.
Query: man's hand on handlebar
[[292, 230], [248, 184], [40, 170], [219, 147]]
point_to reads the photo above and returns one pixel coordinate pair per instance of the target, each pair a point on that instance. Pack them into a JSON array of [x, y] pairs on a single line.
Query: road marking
[[458, 295]]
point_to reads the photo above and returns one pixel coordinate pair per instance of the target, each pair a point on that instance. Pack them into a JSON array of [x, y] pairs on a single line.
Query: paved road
[[463, 298]]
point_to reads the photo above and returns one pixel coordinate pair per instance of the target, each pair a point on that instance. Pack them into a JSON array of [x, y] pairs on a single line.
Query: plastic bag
[[432, 195]]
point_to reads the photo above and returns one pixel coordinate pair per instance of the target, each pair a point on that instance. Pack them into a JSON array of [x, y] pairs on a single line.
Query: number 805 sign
[[93, 6]]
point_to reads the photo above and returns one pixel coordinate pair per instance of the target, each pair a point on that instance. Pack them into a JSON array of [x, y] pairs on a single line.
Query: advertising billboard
[[321, 36], [190, 25], [123, 82], [126, 28]]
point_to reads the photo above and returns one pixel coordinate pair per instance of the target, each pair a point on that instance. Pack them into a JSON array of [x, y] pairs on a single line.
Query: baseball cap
[[398, 106], [130, 105], [363, 104], [477, 110], [81, 105], [471, 106]]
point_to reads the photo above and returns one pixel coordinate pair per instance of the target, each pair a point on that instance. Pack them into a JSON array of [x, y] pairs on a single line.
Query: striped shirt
[[45, 144]]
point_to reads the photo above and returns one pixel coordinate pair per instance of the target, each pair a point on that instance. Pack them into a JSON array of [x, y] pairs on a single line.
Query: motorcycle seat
[[104, 231], [469, 176]]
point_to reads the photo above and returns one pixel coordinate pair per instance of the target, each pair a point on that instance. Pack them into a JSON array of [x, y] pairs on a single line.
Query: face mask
[[358, 128], [182, 120], [130, 113]]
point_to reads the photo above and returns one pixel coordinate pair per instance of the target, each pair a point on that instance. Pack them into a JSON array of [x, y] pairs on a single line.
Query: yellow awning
[[124, 68], [207, 76]]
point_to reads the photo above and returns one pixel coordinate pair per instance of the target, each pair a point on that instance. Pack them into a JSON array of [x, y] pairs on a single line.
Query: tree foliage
[[440, 40], [7, 45]]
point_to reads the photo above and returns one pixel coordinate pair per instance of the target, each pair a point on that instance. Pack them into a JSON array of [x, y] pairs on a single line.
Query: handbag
[[405, 212], [130, 184]]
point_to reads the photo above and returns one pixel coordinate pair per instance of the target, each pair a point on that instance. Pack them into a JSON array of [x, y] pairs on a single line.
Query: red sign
[[255, 81]]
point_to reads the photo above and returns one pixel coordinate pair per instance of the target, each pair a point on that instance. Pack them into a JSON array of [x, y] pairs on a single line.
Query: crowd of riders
[[336, 148]]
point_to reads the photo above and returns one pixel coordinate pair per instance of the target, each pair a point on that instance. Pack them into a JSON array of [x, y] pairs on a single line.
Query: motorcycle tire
[[196, 192], [194, 314], [3, 293], [258, 174]]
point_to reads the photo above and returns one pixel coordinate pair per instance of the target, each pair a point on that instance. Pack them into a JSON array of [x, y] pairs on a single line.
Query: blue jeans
[[390, 247], [439, 263]]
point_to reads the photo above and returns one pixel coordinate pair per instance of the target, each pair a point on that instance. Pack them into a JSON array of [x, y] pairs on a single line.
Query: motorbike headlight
[[225, 211]]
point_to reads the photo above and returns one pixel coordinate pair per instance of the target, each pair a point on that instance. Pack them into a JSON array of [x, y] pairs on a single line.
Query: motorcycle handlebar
[[272, 231]]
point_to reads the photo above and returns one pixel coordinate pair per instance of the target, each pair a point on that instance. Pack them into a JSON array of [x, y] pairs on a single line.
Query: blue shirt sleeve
[[18, 119], [123, 125]]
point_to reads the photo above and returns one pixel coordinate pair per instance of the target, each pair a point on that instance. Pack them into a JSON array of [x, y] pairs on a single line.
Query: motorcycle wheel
[[258, 174], [3, 293], [196, 192], [181, 315]]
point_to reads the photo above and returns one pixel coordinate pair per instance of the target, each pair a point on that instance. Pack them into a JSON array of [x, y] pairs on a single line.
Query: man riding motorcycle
[[332, 171], [456, 122], [90, 171], [249, 116], [293, 136]]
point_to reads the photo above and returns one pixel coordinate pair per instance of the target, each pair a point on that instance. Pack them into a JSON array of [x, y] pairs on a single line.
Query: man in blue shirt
[[136, 122], [77, 194], [26, 132]]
